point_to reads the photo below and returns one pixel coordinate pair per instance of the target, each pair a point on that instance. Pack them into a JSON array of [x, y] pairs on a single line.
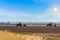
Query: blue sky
[[29, 10]]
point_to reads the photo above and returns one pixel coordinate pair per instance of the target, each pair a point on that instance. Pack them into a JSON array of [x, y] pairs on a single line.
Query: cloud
[[50, 15], [47, 16], [8, 15], [12, 15]]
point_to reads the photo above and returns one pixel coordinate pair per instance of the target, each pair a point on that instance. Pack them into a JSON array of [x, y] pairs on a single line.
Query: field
[[29, 33], [31, 29]]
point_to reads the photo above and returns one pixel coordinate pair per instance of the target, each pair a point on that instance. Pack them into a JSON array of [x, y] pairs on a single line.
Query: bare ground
[[33, 29]]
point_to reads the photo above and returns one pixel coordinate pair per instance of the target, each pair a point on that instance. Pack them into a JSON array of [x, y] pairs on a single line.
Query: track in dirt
[[33, 29]]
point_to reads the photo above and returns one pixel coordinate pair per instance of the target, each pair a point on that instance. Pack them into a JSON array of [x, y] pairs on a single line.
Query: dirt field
[[33, 29]]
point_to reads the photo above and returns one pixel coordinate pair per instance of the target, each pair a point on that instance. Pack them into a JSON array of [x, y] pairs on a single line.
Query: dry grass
[[5, 35]]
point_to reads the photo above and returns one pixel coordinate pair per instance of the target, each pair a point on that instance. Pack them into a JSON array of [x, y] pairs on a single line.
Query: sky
[[30, 10]]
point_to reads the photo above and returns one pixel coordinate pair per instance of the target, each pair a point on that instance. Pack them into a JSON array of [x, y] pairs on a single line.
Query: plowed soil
[[33, 29]]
